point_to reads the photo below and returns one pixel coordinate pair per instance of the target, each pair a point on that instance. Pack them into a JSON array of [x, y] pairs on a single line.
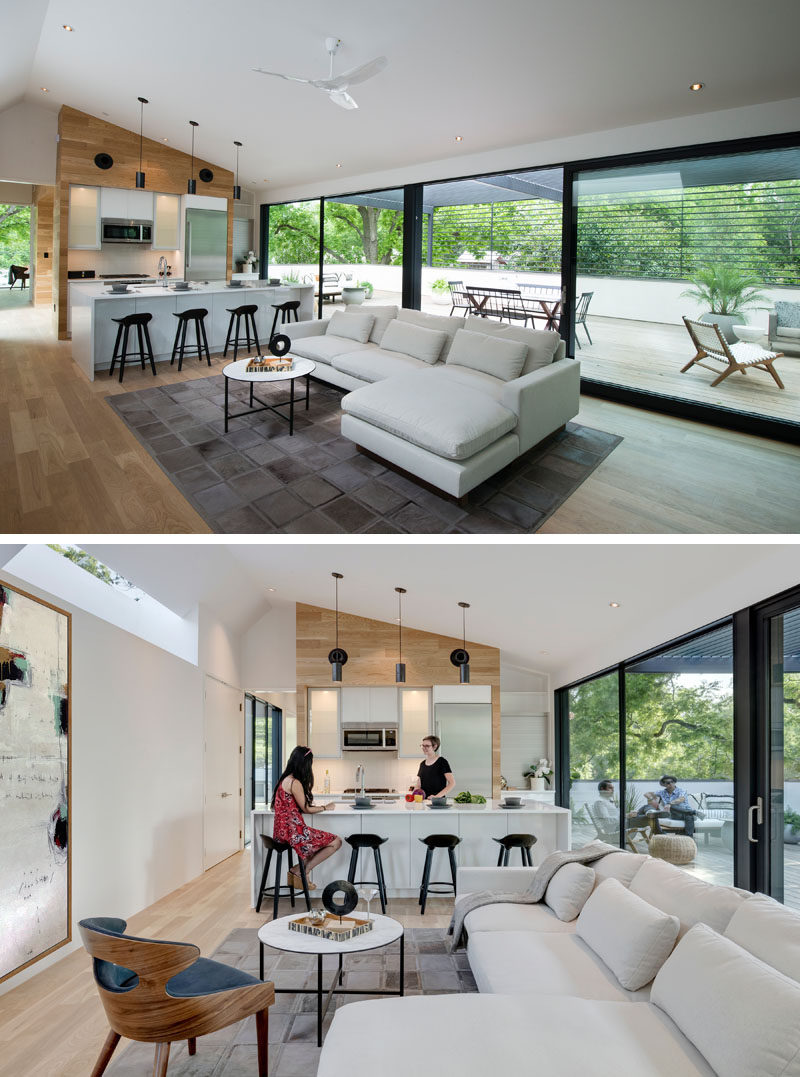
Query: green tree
[[15, 235], [94, 567], [353, 234]]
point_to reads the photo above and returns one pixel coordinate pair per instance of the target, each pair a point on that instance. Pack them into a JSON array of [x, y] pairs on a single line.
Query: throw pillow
[[568, 890], [502, 359], [382, 313], [788, 314], [769, 931], [353, 326], [740, 1013], [632, 937], [413, 340], [681, 894]]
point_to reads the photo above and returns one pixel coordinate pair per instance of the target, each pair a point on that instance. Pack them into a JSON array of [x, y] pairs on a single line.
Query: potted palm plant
[[791, 827], [726, 290]]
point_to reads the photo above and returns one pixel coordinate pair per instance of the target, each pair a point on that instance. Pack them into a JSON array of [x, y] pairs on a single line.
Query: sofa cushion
[[449, 326], [568, 890], [682, 895], [474, 379], [375, 364], [740, 1013], [382, 314], [633, 938], [492, 355], [432, 411], [414, 340], [543, 963], [622, 866], [542, 344], [769, 931], [352, 326], [788, 314], [324, 349], [483, 1034], [510, 917], [789, 332]]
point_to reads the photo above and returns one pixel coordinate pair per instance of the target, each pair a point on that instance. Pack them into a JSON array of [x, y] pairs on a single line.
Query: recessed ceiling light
[[544, 652], [696, 86], [614, 605], [44, 89], [459, 138], [339, 165], [271, 589], [68, 28], [165, 140]]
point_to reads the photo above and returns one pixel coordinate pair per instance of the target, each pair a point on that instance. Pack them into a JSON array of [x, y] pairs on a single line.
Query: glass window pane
[[293, 250], [784, 717], [679, 725], [594, 760], [263, 791], [248, 765]]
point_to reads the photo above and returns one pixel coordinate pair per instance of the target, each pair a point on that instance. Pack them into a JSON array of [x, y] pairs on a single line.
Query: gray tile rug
[[293, 1052], [256, 479]]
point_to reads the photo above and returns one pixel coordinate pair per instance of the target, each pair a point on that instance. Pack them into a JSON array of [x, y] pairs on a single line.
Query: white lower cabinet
[[335, 867], [476, 829], [394, 853]]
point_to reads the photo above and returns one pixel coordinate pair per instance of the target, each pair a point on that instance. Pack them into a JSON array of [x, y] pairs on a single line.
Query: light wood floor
[[69, 465], [54, 1026]]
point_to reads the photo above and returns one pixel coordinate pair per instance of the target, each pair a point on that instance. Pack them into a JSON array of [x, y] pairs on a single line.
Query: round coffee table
[[237, 371], [276, 933]]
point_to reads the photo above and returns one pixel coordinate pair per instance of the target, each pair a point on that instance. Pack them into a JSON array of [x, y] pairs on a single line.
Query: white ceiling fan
[[336, 86]]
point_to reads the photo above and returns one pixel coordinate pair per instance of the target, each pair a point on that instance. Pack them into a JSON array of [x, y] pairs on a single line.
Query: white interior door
[[224, 755]]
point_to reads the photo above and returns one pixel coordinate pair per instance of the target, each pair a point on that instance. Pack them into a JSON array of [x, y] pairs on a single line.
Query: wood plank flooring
[[69, 465], [54, 1026]]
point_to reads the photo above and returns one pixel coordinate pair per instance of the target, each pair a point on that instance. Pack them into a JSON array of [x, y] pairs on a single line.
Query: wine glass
[[367, 893]]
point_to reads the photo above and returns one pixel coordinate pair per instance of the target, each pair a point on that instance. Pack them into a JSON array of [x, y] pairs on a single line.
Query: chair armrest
[[502, 880], [296, 330], [543, 400], [773, 325]]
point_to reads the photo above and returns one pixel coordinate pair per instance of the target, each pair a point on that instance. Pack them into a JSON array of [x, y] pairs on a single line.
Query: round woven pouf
[[674, 848]]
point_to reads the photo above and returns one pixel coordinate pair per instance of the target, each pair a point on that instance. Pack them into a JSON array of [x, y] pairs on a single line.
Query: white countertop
[[97, 290], [403, 807]]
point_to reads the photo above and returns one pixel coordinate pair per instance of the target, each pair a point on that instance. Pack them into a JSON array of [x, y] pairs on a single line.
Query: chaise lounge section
[[451, 401]]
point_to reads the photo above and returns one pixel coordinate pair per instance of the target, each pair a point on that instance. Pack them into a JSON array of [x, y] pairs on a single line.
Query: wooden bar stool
[[247, 311], [198, 316], [139, 323], [279, 848], [437, 841], [285, 310], [523, 842], [367, 841]]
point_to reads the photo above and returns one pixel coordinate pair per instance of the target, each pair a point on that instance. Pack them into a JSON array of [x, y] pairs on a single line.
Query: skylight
[[101, 571]]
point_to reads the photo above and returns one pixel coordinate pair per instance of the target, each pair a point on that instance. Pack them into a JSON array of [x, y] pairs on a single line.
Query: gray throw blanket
[[535, 892]]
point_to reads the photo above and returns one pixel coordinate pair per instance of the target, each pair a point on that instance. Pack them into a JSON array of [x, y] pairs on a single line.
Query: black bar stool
[[279, 847], [131, 321], [198, 316], [286, 310], [367, 841], [437, 841], [247, 311], [523, 842]]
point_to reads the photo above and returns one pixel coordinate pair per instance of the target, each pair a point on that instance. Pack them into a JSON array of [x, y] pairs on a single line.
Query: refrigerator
[[206, 244], [465, 730]]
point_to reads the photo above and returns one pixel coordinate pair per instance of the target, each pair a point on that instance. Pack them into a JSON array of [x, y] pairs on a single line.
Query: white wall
[[218, 648], [268, 652], [28, 144], [16, 193], [137, 772]]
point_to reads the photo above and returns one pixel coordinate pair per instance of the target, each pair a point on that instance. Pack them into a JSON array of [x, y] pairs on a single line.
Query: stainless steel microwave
[[366, 737], [118, 231]]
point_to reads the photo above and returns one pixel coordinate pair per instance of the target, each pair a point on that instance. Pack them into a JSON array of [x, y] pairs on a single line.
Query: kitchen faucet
[[361, 774], [162, 269]]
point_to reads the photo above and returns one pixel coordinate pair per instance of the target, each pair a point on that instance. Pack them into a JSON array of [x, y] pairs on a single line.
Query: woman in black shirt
[[435, 777]]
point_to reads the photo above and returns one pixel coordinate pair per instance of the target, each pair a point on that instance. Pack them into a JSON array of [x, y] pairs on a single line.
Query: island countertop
[[403, 825]]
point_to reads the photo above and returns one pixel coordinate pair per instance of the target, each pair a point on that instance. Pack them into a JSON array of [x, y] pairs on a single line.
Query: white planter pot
[[442, 298], [353, 295], [538, 785]]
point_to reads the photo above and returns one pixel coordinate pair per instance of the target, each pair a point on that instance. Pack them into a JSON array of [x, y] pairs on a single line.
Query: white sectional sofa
[[451, 401], [630, 966]]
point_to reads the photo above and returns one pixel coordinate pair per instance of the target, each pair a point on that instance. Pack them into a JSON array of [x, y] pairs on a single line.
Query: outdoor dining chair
[[18, 273], [581, 309], [458, 296], [713, 346]]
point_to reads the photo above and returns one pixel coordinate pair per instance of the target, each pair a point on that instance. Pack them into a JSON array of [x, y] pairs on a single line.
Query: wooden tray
[[331, 927]]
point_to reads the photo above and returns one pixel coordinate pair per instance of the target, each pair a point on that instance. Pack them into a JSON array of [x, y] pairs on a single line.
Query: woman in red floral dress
[[291, 799]]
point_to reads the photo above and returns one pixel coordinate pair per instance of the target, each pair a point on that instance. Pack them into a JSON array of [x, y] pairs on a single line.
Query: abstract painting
[[35, 916]]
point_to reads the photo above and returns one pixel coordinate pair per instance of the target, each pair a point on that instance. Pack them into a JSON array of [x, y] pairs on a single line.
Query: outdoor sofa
[[450, 401], [629, 966], [784, 327]]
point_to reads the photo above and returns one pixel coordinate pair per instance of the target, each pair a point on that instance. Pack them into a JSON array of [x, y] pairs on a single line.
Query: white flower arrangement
[[542, 769]]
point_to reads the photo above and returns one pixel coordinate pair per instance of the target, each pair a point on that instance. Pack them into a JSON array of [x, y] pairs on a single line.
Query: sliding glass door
[[593, 735]]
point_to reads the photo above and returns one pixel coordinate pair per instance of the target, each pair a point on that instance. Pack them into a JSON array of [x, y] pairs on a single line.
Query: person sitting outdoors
[[676, 801], [605, 807]]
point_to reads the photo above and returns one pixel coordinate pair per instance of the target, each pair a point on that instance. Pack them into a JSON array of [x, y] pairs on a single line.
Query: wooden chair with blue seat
[[157, 992]]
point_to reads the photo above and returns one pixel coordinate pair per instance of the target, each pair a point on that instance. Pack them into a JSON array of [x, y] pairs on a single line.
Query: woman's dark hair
[[435, 742], [298, 766], [667, 778], [605, 784]]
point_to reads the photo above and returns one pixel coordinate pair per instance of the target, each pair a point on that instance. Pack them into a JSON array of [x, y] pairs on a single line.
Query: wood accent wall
[[81, 136], [43, 204], [372, 650]]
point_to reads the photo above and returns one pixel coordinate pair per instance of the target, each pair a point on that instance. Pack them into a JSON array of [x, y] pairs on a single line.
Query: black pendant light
[[460, 656], [337, 656], [191, 186], [400, 666], [237, 190], [140, 175]]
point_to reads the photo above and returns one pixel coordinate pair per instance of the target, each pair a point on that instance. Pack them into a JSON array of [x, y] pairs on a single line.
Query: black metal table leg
[[319, 1000], [251, 394], [341, 974], [226, 404], [291, 407], [402, 964], [308, 382], [261, 960]]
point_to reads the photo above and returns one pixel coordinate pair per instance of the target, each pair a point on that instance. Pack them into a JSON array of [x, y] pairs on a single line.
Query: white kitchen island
[[403, 855], [92, 306]]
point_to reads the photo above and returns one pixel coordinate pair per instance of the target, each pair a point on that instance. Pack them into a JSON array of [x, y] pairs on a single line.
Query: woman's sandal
[[294, 880]]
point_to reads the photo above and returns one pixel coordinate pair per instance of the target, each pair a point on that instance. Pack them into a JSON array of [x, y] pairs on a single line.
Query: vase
[[353, 294], [537, 785]]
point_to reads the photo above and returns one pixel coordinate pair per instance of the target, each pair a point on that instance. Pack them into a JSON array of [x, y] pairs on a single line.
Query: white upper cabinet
[[140, 205], [84, 218], [415, 721], [121, 205], [167, 222], [323, 723], [355, 704], [375, 705]]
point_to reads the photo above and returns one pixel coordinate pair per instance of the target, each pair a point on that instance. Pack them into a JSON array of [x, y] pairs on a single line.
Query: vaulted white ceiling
[[507, 73]]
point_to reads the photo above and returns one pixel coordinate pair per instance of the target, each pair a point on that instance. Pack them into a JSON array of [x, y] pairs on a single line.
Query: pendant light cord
[[399, 627], [141, 125], [337, 615]]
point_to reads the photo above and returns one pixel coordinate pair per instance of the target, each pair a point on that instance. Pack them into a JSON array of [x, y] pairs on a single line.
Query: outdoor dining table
[[512, 304]]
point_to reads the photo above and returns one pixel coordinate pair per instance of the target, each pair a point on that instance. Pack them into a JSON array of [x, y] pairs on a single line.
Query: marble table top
[[276, 933]]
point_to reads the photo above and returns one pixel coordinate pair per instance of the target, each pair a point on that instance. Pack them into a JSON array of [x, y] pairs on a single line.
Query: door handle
[[188, 244], [226, 794], [757, 809]]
